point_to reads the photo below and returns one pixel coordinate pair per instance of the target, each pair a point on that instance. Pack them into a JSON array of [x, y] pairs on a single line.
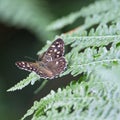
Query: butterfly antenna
[[30, 58]]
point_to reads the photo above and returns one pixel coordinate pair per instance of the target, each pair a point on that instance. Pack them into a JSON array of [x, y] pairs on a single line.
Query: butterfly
[[50, 64]]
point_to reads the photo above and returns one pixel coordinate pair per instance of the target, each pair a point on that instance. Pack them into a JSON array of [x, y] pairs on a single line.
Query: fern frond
[[92, 99], [93, 14], [86, 100], [32, 78], [31, 110], [103, 35], [38, 106], [86, 62], [96, 53], [91, 57]]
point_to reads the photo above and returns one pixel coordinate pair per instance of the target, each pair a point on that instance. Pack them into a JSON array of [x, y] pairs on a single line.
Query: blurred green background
[[23, 33]]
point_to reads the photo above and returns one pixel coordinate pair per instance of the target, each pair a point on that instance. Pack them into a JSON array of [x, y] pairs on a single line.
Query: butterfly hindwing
[[57, 66]]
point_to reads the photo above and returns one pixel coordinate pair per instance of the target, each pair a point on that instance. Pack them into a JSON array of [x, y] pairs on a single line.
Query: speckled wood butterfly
[[50, 64]]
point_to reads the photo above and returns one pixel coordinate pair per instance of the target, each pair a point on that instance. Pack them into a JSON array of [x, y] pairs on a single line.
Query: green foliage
[[94, 52], [102, 11], [32, 78], [95, 99], [29, 14]]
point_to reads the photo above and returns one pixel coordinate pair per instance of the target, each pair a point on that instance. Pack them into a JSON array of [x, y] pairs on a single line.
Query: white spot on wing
[[23, 66], [30, 68], [28, 65], [59, 46], [49, 53], [23, 63], [51, 50], [34, 69], [58, 52], [56, 62], [55, 50], [57, 55], [53, 46]]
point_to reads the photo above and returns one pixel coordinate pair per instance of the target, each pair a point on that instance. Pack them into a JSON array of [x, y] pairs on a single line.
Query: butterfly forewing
[[37, 67], [56, 50], [52, 62], [28, 66]]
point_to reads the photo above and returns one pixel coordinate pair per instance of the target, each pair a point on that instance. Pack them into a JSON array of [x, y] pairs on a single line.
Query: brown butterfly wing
[[52, 61], [55, 51], [28, 66], [37, 67], [57, 66]]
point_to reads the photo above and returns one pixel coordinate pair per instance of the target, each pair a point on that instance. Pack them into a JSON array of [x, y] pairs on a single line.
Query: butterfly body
[[51, 63]]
